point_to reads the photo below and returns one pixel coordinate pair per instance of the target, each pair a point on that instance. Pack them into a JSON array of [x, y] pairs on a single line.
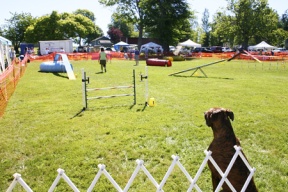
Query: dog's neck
[[223, 130]]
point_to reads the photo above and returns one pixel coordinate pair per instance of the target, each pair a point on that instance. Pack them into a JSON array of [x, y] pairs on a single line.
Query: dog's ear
[[210, 116], [230, 114], [213, 114], [207, 116]]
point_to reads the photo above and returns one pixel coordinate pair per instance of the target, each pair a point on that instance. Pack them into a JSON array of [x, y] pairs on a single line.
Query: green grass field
[[43, 128]]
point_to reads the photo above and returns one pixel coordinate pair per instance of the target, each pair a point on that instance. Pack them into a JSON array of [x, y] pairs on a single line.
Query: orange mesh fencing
[[8, 81], [10, 78]]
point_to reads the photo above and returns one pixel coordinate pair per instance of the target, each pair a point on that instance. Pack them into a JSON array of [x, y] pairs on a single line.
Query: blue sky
[[103, 14]]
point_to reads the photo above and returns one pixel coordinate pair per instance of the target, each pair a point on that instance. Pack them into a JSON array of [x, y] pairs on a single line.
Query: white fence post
[[61, 173], [159, 187], [18, 179]]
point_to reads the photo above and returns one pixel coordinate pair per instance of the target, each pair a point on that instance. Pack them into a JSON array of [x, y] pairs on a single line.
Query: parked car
[[202, 49], [185, 50], [109, 49], [280, 50], [226, 49], [216, 49], [172, 48]]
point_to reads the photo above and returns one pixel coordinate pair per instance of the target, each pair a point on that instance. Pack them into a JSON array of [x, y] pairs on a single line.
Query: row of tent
[[151, 45], [190, 43], [262, 45]]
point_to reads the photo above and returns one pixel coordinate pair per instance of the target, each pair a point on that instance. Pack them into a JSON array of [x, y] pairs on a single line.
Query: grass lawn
[[43, 130]]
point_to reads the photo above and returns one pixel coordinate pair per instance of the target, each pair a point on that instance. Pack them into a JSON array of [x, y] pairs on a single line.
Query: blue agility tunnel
[[56, 66]]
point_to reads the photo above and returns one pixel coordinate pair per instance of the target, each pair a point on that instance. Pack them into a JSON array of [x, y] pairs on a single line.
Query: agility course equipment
[[205, 65], [146, 85], [158, 62], [85, 90], [251, 56], [198, 68], [159, 186], [58, 66]]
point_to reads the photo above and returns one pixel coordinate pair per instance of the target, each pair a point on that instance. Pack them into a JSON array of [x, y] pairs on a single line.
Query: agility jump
[[85, 81], [202, 66]]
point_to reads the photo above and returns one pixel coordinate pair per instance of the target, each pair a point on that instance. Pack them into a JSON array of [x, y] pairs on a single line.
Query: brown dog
[[222, 148]]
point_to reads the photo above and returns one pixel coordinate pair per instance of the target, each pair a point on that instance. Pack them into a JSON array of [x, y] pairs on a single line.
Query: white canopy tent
[[5, 41], [262, 45], [189, 43], [151, 46], [4, 53]]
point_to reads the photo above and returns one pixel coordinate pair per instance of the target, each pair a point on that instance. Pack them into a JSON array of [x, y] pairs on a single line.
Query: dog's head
[[218, 115]]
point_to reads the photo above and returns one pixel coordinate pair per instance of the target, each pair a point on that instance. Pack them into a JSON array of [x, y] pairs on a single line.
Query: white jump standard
[[85, 81]]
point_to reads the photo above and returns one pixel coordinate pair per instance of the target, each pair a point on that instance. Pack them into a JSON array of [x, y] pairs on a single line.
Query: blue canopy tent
[[119, 46]]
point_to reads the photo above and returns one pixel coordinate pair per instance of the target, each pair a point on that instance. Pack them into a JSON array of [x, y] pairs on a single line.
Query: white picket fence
[[158, 186]]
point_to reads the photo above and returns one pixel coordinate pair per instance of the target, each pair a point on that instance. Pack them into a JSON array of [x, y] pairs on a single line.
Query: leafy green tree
[[60, 26], [91, 36], [122, 24], [284, 20], [164, 18], [1, 31], [223, 29], [85, 13], [131, 11], [206, 28], [278, 37], [186, 31], [15, 28], [253, 19]]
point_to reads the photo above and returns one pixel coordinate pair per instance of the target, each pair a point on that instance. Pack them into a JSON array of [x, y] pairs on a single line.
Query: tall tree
[[164, 18], [284, 20], [131, 10], [278, 37], [253, 18], [85, 13], [60, 26], [122, 24], [206, 28], [1, 31], [223, 29], [96, 33], [15, 28]]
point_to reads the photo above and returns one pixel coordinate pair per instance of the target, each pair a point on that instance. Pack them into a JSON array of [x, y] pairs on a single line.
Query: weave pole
[[85, 90]]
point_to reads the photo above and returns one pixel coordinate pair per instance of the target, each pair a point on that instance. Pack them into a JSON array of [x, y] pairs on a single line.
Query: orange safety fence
[[78, 56], [227, 55], [11, 76], [8, 81], [119, 55]]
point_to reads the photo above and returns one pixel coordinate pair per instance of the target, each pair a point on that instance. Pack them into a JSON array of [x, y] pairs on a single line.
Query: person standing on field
[[12, 54], [136, 56], [103, 60]]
